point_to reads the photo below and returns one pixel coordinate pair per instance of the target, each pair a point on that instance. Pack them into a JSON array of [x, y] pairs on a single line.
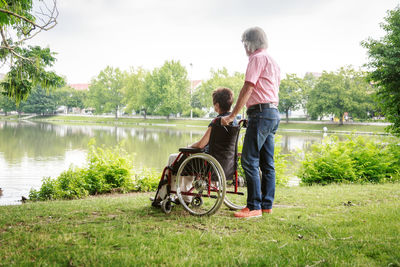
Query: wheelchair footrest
[[236, 193]]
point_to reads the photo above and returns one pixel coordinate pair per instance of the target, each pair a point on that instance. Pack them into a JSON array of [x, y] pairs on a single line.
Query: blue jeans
[[258, 152]]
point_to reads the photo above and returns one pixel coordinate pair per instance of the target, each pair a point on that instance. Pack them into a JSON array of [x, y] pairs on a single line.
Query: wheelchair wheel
[[207, 184], [196, 202], [236, 200], [166, 205]]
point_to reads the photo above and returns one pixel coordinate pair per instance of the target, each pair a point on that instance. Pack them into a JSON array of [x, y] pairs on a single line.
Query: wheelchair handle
[[243, 123]]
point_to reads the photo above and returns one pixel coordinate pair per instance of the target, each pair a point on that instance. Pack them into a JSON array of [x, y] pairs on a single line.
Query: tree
[[338, 92], [167, 89], [70, 98], [6, 104], [219, 78], [290, 94], [23, 75], [19, 23], [40, 102], [134, 89], [384, 64], [309, 82], [105, 92]]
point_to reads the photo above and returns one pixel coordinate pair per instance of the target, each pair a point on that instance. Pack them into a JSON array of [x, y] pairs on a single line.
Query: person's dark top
[[234, 122]]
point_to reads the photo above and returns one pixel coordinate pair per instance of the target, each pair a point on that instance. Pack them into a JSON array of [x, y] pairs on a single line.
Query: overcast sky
[[304, 35]]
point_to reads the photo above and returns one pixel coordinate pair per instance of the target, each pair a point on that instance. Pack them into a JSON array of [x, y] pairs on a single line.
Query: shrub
[[145, 180], [71, 185], [47, 191], [280, 162], [106, 170], [355, 160]]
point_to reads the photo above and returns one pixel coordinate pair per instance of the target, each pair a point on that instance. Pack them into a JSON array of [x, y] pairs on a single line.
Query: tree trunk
[[116, 113], [144, 113], [287, 116], [5, 113], [168, 118], [341, 119]]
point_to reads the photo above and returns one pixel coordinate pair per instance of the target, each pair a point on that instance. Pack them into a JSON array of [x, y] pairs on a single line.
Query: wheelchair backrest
[[223, 146]]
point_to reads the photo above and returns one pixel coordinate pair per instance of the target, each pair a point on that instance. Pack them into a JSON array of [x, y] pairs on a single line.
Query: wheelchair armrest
[[191, 150]]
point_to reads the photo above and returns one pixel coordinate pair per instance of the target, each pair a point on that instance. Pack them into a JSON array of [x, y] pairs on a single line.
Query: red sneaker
[[267, 211], [247, 213]]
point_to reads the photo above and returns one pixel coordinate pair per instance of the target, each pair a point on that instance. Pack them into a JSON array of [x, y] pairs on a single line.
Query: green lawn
[[187, 122], [332, 127], [336, 225]]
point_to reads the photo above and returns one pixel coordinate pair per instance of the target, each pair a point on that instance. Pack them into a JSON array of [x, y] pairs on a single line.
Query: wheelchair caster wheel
[[197, 202], [166, 205]]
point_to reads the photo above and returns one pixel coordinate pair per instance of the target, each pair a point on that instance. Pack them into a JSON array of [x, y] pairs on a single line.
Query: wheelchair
[[201, 181]]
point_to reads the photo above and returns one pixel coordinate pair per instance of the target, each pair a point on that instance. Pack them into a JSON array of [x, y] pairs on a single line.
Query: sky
[[304, 35]]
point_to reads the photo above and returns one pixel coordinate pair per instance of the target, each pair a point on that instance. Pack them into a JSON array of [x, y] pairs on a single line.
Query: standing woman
[[260, 95]]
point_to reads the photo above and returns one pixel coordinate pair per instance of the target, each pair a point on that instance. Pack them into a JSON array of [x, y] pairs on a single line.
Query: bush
[[355, 160], [106, 170], [145, 180], [47, 191], [71, 185], [280, 162]]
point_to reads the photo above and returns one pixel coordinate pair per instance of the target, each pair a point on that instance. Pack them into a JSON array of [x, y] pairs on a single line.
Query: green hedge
[[357, 159], [107, 170]]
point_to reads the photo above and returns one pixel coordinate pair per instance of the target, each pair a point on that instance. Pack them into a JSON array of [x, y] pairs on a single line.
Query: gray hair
[[254, 38]]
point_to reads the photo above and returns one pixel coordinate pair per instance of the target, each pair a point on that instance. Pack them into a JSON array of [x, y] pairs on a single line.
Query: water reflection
[[30, 151], [298, 141]]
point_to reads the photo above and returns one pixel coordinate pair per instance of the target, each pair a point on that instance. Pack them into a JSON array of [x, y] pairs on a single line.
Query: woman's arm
[[204, 140]]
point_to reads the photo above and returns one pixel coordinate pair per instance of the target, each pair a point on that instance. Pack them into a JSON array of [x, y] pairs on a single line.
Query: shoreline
[[367, 128]]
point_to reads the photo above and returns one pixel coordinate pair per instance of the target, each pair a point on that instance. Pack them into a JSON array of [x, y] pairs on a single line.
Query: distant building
[[195, 84], [80, 86]]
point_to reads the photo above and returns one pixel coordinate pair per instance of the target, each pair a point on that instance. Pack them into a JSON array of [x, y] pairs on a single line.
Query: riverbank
[[299, 126], [336, 225]]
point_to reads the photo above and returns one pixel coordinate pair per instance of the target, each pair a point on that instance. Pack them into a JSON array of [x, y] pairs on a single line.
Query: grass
[[196, 122], [122, 120], [12, 117], [332, 127], [133, 121], [337, 225]]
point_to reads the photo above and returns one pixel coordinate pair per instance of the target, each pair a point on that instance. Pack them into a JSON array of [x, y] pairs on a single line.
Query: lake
[[30, 151]]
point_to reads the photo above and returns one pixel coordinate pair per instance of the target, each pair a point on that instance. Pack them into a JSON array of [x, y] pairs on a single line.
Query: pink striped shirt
[[265, 74]]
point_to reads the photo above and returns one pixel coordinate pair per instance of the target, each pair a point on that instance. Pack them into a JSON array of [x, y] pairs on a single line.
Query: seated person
[[222, 100]]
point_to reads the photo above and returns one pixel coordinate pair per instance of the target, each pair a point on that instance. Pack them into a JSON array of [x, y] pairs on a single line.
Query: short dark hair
[[224, 97]]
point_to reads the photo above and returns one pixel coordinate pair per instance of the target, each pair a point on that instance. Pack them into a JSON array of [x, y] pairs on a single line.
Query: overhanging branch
[[48, 18]]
